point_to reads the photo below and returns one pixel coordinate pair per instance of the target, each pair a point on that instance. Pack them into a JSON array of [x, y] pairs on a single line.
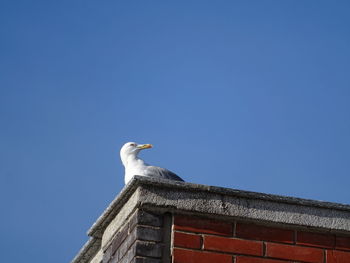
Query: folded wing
[[158, 172]]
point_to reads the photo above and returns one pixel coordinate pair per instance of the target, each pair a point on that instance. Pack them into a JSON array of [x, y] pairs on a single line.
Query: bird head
[[132, 149]]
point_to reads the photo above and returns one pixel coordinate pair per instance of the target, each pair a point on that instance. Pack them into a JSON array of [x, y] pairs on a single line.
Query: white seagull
[[135, 166]]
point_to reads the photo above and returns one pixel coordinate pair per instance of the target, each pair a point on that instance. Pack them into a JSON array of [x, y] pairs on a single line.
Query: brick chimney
[[161, 221]]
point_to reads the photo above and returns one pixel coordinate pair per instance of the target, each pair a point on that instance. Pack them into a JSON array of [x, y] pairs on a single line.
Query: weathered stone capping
[[150, 221]]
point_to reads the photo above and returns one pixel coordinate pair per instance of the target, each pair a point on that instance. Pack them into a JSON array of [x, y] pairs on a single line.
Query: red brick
[[242, 259], [187, 240], [257, 232], [197, 225], [233, 245], [336, 256], [342, 243], [191, 256], [306, 254], [315, 239]]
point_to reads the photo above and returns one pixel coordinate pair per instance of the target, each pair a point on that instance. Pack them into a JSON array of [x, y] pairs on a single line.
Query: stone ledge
[[182, 197], [220, 201], [88, 251]]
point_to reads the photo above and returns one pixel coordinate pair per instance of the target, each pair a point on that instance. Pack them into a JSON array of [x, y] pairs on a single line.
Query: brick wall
[[145, 223], [140, 240], [197, 240]]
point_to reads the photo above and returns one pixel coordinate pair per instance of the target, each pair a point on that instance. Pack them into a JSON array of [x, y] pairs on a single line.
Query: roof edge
[[137, 181]]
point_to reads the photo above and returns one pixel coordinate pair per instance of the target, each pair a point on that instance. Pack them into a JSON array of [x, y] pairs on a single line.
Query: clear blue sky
[[252, 95]]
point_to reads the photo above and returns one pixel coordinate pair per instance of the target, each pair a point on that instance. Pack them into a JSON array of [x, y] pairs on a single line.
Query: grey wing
[[154, 171]]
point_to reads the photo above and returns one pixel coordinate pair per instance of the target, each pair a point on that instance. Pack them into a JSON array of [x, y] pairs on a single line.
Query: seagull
[[135, 166]]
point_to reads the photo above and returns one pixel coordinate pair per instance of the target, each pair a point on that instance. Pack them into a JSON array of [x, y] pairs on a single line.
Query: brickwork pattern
[[198, 240], [139, 241]]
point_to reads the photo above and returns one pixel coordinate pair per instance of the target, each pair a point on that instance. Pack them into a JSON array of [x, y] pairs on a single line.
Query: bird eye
[[132, 144]]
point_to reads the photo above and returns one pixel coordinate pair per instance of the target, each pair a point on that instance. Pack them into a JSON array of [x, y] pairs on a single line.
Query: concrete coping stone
[[174, 186]]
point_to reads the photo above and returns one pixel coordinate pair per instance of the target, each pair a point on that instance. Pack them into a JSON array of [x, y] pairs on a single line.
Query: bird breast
[[134, 167]]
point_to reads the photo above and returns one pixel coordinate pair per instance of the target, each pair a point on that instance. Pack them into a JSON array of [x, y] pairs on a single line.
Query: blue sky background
[[252, 95]]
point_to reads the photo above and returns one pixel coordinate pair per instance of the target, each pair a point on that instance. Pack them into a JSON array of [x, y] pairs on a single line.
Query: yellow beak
[[145, 146]]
